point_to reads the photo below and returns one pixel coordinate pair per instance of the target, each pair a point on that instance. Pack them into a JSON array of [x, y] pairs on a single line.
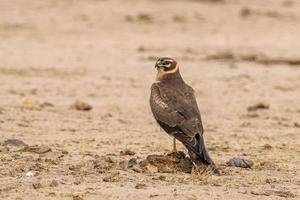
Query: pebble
[[240, 162], [82, 106]]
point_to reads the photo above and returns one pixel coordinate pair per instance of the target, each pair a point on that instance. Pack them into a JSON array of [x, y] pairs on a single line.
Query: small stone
[[14, 142], [267, 146], [137, 169], [258, 106], [297, 125], [64, 152], [39, 149], [72, 167], [53, 183], [240, 162], [160, 178], [269, 180], [82, 106], [123, 164], [132, 162], [115, 177], [140, 186], [127, 152], [77, 181], [141, 49], [77, 197], [37, 185], [245, 12], [46, 104], [52, 194], [29, 174], [144, 17]]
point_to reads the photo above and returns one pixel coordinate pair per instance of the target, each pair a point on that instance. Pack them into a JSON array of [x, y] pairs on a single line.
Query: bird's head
[[166, 64], [167, 68]]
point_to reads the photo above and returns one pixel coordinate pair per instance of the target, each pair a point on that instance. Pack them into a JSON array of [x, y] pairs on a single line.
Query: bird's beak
[[157, 64]]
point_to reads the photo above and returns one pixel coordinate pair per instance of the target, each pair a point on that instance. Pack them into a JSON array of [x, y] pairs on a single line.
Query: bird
[[175, 109]]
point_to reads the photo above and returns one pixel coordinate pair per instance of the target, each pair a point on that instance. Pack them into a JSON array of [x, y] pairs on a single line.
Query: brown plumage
[[174, 107]]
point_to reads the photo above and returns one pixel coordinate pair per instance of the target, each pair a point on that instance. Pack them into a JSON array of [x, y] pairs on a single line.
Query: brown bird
[[175, 109]]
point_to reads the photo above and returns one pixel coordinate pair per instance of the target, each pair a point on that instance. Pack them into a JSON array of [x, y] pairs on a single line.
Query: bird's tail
[[198, 153]]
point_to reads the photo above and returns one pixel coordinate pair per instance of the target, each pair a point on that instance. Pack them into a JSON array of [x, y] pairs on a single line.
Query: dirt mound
[[170, 163]]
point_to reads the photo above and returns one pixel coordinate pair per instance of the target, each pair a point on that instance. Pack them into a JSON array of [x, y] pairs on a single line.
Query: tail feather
[[202, 152], [196, 149]]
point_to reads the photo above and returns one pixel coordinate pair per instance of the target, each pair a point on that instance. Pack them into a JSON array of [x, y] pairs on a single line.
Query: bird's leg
[[174, 145]]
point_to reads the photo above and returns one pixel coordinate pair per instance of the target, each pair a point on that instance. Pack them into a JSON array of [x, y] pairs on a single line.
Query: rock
[[140, 186], [14, 142], [82, 106], [240, 162], [53, 183], [72, 167], [46, 104], [245, 12], [29, 174], [39, 149], [104, 164], [267, 147], [132, 162], [271, 180], [179, 19], [144, 17], [123, 164], [37, 185], [141, 17], [52, 194], [160, 178], [258, 106], [77, 197], [297, 125], [140, 49], [78, 181], [137, 169], [114, 177], [52, 157], [127, 152]]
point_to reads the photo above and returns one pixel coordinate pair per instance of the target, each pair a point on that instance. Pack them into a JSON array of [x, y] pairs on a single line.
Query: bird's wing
[[175, 108]]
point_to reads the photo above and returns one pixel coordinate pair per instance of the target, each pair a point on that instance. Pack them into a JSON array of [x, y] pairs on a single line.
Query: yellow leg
[[174, 145]]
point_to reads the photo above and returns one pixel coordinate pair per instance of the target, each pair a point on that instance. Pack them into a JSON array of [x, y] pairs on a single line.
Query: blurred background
[[59, 57]]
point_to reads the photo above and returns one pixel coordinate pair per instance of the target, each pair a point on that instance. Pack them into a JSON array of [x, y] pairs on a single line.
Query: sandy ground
[[235, 54]]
